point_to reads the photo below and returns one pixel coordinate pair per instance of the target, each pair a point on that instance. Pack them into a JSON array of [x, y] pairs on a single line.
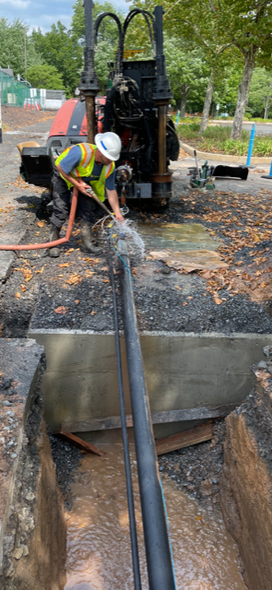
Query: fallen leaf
[[106, 281], [18, 295], [66, 264], [177, 287], [77, 301], [217, 300], [40, 223], [74, 279], [61, 309], [185, 303], [93, 312], [23, 288]]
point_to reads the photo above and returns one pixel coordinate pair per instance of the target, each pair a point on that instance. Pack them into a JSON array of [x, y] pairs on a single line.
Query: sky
[[43, 13]]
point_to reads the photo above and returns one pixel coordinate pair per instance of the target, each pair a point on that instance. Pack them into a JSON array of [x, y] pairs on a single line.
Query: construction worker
[[84, 165]]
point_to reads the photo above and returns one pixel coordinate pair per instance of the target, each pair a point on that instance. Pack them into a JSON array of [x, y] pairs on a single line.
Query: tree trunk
[[243, 91], [266, 112], [185, 93], [207, 104]]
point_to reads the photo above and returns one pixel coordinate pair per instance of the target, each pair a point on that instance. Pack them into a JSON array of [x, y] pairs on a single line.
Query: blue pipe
[[250, 147], [177, 118]]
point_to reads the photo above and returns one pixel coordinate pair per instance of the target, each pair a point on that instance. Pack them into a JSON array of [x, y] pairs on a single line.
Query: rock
[[206, 488], [21, 551], [165, 270], [262, 365], [267, 350], [29, 496]]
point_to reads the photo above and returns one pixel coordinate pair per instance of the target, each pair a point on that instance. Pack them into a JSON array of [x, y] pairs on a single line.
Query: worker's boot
[[53, 236], [86, 237]]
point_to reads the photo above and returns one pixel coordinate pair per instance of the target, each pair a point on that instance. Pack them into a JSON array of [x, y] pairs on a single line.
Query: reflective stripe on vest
[[85, 168], [109, 169]]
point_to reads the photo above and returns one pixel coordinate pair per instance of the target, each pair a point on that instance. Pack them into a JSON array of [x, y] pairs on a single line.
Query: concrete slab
[[182, 371]]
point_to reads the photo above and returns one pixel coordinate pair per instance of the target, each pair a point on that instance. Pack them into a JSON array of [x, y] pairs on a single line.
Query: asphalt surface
[[82, 286], [260, 128]]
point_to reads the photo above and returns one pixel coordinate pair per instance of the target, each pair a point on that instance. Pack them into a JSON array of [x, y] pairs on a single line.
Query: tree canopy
[[45, 76]]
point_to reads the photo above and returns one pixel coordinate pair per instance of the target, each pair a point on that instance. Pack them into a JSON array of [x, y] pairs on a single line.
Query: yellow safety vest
[[85, 168]]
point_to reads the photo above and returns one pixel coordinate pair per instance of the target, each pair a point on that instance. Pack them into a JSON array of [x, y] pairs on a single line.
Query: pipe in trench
[[159, 565], [131, 509]]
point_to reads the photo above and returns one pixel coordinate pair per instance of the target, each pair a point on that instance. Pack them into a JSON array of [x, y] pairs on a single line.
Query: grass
[[217, 140]]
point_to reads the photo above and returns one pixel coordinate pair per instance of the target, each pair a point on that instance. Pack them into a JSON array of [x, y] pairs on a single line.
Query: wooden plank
[[190, 437], [81, 444], [111, 422]]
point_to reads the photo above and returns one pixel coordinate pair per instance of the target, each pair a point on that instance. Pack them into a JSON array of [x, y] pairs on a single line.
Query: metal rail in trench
[[158, 556]]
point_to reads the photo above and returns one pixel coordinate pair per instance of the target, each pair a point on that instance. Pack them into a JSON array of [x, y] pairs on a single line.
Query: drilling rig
[[135, 108]]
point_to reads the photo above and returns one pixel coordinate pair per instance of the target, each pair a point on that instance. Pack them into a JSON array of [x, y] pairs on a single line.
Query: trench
[[79, 390], [98, 533], [80, 395]]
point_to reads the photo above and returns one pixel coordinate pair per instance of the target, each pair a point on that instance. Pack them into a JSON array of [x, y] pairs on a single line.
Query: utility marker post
[[250, 147]]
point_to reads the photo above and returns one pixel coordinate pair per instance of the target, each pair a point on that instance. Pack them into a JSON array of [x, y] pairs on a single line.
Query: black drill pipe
[[131, 510], [89, 85], [159, 566]]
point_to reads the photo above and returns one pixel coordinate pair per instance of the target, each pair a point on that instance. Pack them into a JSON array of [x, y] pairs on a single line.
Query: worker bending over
[[84, 165]]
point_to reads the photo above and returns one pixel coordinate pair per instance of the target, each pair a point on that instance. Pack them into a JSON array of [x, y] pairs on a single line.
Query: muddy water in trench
[[99, 542]]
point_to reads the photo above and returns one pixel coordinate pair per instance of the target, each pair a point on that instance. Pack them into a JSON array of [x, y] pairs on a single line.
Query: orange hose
[[55, 242]]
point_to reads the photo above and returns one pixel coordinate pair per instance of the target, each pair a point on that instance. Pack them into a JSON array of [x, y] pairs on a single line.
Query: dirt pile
[[15, 117]]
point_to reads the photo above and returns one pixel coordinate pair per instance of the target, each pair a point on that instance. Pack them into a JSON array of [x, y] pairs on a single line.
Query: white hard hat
[[109, 144]]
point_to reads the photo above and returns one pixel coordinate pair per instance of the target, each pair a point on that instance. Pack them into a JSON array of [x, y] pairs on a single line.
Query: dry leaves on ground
[[61, 310], [74, 279]]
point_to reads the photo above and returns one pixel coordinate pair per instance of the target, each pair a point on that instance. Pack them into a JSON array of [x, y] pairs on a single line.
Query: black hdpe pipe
[[159, 565], [131, 510]]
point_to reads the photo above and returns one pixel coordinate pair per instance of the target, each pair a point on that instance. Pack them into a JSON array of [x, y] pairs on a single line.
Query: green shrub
[[262, 146], [216, 139]]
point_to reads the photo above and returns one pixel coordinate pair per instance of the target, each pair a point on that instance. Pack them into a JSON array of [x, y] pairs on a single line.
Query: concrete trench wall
[[182, 371]]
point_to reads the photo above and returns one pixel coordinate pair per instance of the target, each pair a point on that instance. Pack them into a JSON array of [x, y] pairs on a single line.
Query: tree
[[191, 22], [60, 49], [45, 76], [187, 72], [249, 24], [219, 24], [15, 46], [260, 95]]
